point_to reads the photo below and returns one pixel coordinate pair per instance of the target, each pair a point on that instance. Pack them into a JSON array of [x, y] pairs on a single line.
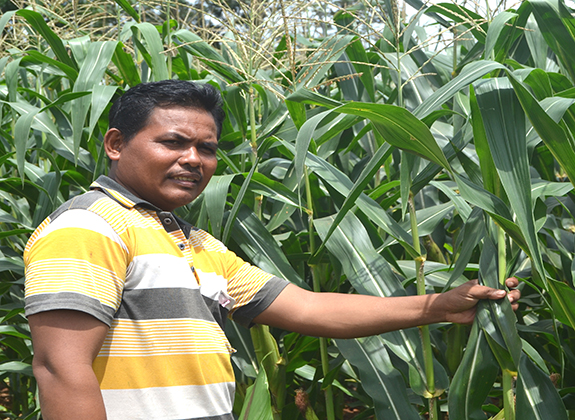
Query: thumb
[[484, 292]]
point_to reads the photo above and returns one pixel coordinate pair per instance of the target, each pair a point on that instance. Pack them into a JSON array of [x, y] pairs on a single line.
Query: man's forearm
[[69, 394], [338, 315], [348, 316]]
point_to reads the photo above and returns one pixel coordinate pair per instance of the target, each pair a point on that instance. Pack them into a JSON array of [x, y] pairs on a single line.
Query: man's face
[[170, 161]]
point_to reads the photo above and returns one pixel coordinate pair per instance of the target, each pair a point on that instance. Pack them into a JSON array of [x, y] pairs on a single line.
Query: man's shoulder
[[80, 202]]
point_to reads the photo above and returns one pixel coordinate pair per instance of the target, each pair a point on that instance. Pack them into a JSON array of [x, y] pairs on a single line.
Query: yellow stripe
[[162, 371], [246, 283], [164, 337], [99, 249], [74, 276]]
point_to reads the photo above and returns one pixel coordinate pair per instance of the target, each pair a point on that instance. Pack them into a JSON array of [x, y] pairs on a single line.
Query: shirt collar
[[119, 193], [129, 200]]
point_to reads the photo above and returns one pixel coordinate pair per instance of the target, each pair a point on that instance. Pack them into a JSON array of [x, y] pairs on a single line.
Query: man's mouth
[[193, 178]]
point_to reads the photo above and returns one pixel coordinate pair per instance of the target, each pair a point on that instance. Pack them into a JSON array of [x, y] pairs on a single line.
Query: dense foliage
[[362, 153]]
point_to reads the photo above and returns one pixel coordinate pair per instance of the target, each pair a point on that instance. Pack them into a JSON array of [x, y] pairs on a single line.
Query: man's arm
[[339, 315], [65, 345]]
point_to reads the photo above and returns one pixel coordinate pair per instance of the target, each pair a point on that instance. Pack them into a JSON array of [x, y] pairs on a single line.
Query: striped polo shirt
[[163, 287]]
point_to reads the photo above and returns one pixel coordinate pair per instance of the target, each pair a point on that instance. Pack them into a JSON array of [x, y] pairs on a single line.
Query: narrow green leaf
[[21, 136], [316, 64], [91, 74], [474, 378], [257, 405], [311, 97], [364, 178], [563, 298], [537, 398], [553, 135], [495, 27], [36, 20], [379, 377], [101, 97], [124, 4], [260, 246], [215, 197], [207, 54], [369, 273], [342, 184], [126, 66], [38, 58], [559, 39], [504, 123], [155, 49], [469, 74], [400, 128], [17, 367]]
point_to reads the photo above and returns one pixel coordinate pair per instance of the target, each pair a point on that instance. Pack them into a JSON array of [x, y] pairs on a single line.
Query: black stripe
[[167, 303], [71, 301], [263, 298]]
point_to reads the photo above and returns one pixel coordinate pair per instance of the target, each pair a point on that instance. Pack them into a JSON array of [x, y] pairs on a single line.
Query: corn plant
[[361, 154]]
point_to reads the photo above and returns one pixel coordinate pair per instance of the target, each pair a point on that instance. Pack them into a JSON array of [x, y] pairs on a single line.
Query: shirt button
[[181, 246], [168, 221]]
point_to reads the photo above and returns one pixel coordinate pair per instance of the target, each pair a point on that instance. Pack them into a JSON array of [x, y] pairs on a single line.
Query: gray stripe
[[80, 202], [71, 301], [166, 303], [263, 298]]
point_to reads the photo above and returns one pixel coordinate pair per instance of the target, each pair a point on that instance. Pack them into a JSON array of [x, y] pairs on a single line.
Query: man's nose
[[190, 156]]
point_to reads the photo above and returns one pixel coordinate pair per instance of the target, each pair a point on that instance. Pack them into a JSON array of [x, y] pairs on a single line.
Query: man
[[126, 302]]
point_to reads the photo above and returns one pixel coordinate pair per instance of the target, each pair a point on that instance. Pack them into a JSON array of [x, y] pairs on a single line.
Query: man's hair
[[130, 113]]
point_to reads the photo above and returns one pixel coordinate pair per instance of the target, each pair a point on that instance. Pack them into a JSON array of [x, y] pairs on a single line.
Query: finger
[[514, 295], [484, 292], [512, 282]]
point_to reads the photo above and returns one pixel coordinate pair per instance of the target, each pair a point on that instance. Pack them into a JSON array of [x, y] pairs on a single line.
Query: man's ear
[[113, 143]]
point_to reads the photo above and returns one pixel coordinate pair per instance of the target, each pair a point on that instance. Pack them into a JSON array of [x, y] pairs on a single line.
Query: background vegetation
[[366, 150]]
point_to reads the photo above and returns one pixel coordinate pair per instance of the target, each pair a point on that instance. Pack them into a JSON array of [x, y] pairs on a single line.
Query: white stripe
[[175, 402], [152, 271], [83, 219], [215, 286]]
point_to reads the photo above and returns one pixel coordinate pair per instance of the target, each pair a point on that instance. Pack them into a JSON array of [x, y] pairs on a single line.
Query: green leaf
[[555, 137], [537, 398], [311, 97], [36, 20], [155, 49], [379, 377], [257, 405], [549, 15], [124, 4], [369, 273], [474, 378], [563, 299], [38, 58], [126, 66], [17, 367], [90, 75], [495, 28], [207, 54], [364, 178], [21, 135], [468, 75], [400, 129], [260, 246], [496, 316], [504, 123], [215, 196], [101, 97]]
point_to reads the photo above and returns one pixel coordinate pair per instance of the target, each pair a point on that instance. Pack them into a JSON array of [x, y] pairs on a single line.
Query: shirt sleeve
[[76, 262]]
